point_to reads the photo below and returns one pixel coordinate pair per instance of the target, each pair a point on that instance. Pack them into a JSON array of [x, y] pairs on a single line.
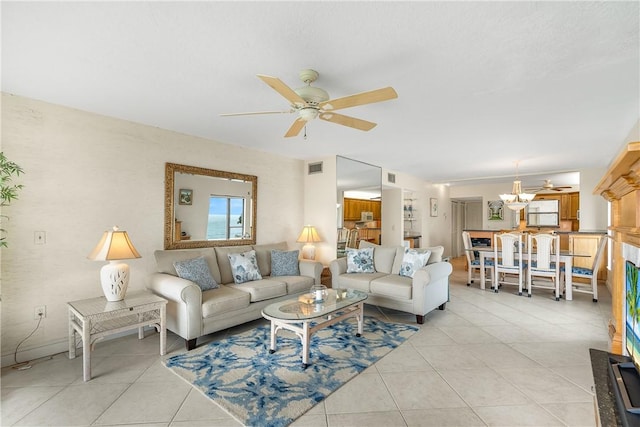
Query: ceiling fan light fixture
[[308, 114]]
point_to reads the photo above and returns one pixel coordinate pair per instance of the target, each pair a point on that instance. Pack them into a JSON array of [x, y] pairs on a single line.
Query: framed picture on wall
[[496, 210], [185, 197], [433, 204]]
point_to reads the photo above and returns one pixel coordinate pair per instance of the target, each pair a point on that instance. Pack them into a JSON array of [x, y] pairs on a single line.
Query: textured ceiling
[[481, 85]]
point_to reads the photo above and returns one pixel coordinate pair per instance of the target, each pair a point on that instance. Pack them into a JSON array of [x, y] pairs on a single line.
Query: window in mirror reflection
[[226, 218]]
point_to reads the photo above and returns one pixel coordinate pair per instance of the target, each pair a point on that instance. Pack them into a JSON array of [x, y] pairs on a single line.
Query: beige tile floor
[[487, 360]]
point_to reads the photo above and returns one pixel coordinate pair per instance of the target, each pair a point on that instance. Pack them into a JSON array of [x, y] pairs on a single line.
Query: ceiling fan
[[310, 102], [548, 186]]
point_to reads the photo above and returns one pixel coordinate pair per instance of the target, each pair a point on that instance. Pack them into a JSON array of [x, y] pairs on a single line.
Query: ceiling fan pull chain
[[305, 132]]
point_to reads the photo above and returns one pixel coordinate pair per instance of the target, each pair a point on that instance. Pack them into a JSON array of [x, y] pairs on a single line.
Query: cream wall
[[435, 230], [85, 173], [320, 207], [593, 207]]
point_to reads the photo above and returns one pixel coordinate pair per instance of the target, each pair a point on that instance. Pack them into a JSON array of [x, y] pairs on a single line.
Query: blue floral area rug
[[262, 389]]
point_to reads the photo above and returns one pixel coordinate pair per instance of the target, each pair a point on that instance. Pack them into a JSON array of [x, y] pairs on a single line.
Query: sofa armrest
[[430, 287], [184, 308], [432, 272], [311, 268], [337, 267]]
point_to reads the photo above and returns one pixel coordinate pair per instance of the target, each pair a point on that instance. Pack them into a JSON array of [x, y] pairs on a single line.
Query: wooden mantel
[[621, 186]]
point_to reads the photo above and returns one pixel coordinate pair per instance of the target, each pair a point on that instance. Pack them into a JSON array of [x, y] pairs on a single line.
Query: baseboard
[[56, 347], [30, 354]]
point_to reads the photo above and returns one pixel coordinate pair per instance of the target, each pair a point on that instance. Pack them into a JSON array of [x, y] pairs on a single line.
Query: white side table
[[96, 318]]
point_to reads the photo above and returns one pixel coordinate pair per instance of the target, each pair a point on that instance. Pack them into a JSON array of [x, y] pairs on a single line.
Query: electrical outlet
[[40, 312]]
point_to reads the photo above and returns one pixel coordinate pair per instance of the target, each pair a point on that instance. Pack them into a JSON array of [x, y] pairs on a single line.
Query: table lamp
[[309, 236], [114, 246]]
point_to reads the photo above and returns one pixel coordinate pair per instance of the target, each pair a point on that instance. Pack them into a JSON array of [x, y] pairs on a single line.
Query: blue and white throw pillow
[[360, 261], [197, 271], [244, 267], [413, 261], [285, 263]]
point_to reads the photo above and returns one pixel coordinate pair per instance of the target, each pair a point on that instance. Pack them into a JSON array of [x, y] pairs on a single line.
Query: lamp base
[[114, 278], [309, 252]]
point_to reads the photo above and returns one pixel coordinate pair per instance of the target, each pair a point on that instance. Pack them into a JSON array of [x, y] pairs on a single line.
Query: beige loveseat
[[192, 312], [428, 289]]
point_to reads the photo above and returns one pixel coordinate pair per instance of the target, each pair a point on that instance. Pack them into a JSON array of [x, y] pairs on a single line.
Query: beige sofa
[[428, 289], [192, 312]]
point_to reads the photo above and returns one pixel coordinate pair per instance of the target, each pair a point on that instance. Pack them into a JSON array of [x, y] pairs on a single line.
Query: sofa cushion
[[296, 284], [436, 253], [285, 263], [383, 256], [263, 254], [166, 258], [223, 261], [412, 261], [260, 290], [244, 267], [357, 281], [197, 271], [397, 261], [360, 261], [223, 300], [392, 286]]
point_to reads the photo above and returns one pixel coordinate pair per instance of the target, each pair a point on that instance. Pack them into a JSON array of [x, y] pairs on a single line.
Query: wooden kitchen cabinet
[[569, 205], [354, 207], [574, 205]]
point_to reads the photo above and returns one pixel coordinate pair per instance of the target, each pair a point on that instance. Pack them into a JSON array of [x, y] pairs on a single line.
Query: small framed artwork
[[433, 204], [185, 197], [496, 210]]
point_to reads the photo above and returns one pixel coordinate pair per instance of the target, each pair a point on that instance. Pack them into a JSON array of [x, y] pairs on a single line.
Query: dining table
[[566, 258]]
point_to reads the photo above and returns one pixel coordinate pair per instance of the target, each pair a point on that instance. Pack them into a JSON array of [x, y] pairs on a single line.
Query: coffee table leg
[[305, 344], [360, 317], [272, 349]]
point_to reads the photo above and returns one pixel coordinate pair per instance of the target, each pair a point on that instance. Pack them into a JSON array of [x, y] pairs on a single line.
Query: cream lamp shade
[[114, 246], [309, 236], [517, 199]]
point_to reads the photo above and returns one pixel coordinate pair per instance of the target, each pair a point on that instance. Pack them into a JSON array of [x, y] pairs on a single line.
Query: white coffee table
[[298, 314]]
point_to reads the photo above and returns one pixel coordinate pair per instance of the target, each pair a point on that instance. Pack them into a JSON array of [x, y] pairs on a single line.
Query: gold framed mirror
[[207, 207]]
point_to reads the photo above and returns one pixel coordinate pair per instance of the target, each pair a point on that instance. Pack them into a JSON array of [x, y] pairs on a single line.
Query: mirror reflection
[[359, 203], [207, 207]]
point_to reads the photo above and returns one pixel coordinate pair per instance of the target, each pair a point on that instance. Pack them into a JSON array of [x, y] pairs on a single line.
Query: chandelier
[[517, 199]]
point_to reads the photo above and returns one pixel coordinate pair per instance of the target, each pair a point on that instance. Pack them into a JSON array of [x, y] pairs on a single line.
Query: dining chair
[[352, 240], [473, 263], [343, 235], [543, 261], [508, 260], [589, 273]]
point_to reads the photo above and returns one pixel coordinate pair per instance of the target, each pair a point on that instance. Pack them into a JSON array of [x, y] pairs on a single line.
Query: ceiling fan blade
[[347, 121], [370, 97], [284, 90], [255, 112], [295, 128]]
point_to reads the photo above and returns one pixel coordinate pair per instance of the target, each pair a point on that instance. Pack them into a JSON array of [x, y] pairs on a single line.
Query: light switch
[[40, 237]]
